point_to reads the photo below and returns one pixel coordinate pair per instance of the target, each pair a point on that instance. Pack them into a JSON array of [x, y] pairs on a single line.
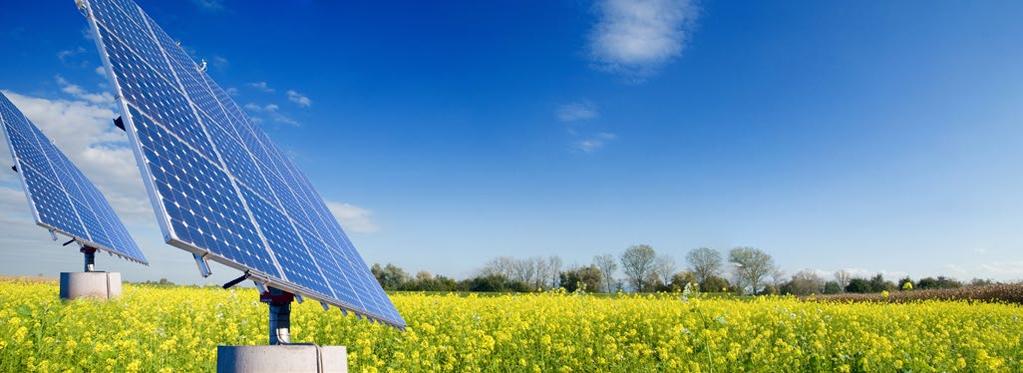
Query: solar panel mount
[[221, 189], [61, 197]]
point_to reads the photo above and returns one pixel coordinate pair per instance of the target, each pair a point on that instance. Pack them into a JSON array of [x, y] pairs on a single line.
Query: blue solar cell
[[63, 199], [222, 187]]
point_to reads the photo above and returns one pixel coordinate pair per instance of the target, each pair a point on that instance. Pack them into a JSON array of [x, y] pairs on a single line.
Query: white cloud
[[355, 219], [84, 131], [232, 91], [1004, 269], [220, 62], [299, 99], [101, 71], [596, 142], [272, 111], [577, 111], [68, 55], [103, 98], [636, 37], [261, 86]]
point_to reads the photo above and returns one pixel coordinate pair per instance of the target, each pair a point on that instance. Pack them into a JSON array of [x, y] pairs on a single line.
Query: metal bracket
[[119, 122], [236, 281], [299, 299], [14, 168], [202, 65], [69, 242], [326, 307], [82, 8], [204, 266]]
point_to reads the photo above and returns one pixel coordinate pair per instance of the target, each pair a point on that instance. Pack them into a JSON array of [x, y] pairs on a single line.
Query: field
[[178, 329]]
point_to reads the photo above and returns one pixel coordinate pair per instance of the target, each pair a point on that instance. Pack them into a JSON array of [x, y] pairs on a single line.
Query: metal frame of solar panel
[[221, 189], [62, 199]]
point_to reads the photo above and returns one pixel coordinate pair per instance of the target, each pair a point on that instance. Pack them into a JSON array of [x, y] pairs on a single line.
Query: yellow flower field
[[178, 329]]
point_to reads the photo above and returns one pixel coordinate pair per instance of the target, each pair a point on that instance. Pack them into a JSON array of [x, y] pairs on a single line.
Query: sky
[[877, 137]]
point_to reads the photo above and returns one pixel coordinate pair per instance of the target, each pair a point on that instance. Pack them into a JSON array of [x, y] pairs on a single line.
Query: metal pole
[[280, 314], [90, 258]]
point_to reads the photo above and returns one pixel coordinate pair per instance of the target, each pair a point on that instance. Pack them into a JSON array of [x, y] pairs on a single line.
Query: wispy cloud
[[209, 5], [584, 139], [220, 62], [261, 86], [299, 99], [272, 111], [596, 142], [637, 37], [232, 91], [67, 55], [577, 111], [353, 218], [102, 98]]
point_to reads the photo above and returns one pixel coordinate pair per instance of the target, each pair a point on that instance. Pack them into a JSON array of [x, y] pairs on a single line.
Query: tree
[[752, 267], [878, 284], [858, 285], [804, 282], [581, 278], [638, 265], [607, 265], [390, 277], [704, 263], [681, 279], [843, 277], [715, 284], [832, 287], [664, 269], [941, 282]]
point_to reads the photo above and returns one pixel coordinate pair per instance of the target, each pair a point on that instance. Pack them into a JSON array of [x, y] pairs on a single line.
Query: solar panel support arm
[[204, 266], [119, 123], [236, 281], [14, 168], [89, 254], [280, 314]]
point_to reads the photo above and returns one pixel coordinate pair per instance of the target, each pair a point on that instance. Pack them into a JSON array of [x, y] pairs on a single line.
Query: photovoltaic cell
[[220, 187], [62, 198]]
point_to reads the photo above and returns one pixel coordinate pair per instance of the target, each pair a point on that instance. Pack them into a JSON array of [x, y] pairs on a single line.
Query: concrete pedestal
[[282, 358], [96, 285]]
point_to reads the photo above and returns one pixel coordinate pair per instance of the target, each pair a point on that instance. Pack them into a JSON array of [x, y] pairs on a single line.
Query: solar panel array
[[220, 187], [62, 198]]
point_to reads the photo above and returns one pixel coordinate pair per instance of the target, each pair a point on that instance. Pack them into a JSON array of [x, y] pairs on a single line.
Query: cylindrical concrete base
[[282, 358], [97, 285]]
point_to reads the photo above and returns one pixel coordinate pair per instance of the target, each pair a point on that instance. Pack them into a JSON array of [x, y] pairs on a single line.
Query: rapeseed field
[[177, 329]]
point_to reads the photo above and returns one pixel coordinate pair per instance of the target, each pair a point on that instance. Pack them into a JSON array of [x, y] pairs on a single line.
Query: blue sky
[[876, 137]]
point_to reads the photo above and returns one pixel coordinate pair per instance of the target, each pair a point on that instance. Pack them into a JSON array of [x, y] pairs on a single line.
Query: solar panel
[[221, 189], [61, 197]]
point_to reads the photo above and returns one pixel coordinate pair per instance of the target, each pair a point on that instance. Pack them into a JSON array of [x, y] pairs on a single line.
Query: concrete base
[[282, 358], [96, 285]]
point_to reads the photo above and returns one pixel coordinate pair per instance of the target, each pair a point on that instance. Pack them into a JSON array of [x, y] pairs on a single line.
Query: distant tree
[[608, 265], [638, 265], [505, 266], [902, 283], [843, 277], [941, 282], [704, 263], [664, 269], [553, 271], [804, 282], [390, 277], [879, 284], [494, 283], [587, 278], [832, 287], [680, 279], [858, 285], [715, 284], [981, 282], [752, 268]]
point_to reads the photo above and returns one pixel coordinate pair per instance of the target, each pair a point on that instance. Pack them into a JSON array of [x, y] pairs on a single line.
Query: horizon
[[867, 139]]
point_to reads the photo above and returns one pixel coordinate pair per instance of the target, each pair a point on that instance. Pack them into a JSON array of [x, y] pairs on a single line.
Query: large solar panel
[[220, 187], [61, 197]]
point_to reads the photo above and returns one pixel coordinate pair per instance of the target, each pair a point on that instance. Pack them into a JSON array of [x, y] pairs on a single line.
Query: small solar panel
[[221, 189], [61, 197]]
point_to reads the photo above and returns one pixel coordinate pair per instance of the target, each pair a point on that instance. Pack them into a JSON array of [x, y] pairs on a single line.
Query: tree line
[[741, 270]]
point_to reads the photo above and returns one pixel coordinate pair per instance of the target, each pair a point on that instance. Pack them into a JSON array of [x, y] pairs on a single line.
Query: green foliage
[[587, 278]]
